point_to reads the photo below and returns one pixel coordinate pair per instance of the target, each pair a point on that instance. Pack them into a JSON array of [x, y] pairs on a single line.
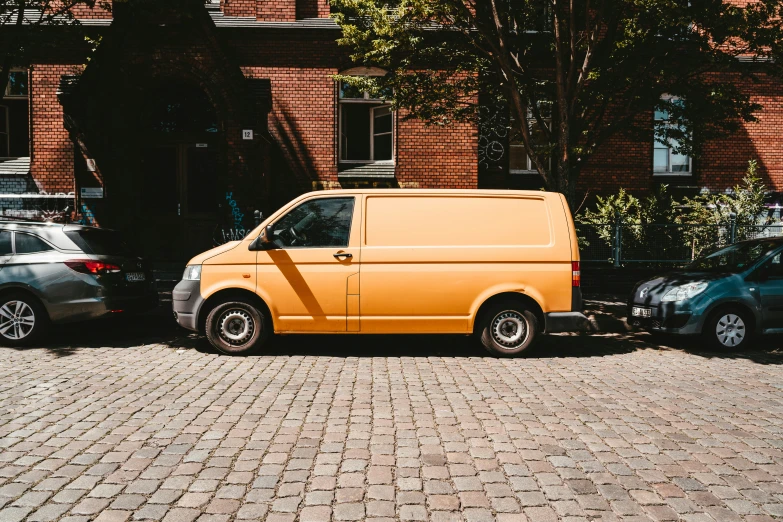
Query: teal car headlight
[[192, 273], [683, 292]]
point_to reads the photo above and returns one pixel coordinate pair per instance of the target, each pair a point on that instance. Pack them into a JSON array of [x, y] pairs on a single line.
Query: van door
[[305, 279]]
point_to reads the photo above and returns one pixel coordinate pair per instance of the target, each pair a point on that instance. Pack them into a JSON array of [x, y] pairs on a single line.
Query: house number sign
[[247, 134]]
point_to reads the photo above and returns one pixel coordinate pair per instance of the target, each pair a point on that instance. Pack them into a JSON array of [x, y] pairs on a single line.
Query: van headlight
[[192, 273], [683, 292]]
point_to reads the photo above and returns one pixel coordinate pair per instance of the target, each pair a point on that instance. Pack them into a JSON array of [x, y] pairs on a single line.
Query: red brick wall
[[276, 10], [84, 12], [302, 120], [725, 161], [436, 157], [52, 150], [312, 9], [623, 162], [238, 7]]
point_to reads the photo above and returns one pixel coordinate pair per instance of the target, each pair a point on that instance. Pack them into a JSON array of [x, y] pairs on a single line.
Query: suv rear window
[[99, 242]]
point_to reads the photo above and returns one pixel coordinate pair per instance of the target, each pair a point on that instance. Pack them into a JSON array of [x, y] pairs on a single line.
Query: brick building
[[187, 117]]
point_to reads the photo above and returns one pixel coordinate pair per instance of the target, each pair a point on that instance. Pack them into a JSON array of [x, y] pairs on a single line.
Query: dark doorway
[[180, 166]]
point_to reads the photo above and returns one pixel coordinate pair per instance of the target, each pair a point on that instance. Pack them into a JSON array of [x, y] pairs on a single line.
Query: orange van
[[503, 265]]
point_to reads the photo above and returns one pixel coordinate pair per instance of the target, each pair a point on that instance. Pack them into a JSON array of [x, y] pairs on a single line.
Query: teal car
[[728, 296]]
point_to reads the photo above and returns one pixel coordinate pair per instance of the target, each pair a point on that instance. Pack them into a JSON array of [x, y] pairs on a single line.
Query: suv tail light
[[88, 266], [576, 275]]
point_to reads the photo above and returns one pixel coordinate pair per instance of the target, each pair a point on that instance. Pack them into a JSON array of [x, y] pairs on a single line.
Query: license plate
[[135, 277], [638, 311]]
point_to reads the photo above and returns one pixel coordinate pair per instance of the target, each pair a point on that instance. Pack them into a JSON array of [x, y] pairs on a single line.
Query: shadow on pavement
[[607, 315]]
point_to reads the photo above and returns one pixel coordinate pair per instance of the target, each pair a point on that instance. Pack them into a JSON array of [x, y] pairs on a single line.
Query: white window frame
[[531, 169], [366, 99], [659, 146], [8, 94]]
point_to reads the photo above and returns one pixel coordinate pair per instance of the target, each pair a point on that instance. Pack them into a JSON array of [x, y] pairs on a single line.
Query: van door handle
[[339, 255]]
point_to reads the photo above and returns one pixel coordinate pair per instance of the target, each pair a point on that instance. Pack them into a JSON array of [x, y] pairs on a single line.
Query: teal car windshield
[[735, 258]]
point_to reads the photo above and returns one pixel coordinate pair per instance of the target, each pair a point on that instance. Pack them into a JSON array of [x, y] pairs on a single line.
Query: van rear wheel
[[236, 328], [508, 329]]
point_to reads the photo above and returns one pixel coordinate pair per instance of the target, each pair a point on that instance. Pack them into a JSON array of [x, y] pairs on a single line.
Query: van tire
[[237, 328], [508, 329], [31, 310]]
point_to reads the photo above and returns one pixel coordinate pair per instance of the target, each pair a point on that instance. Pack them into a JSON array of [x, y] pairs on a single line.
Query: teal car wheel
[[728, 329]]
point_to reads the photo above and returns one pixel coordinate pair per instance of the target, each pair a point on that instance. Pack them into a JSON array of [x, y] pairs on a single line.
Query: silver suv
[[55, 273]]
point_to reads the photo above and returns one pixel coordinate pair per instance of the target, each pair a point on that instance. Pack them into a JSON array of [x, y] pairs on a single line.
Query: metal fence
[[621, 243]]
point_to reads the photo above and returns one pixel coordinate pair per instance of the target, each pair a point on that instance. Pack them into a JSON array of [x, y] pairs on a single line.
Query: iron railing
[[620, 243]]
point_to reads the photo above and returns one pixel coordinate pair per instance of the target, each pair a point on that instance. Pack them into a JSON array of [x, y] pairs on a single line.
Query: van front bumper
[[186, 301], [566, 322]]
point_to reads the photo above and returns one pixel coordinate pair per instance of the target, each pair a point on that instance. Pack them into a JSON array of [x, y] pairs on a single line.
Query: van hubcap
[[509, 328], [17, 320], [235, 326], [730, 330]]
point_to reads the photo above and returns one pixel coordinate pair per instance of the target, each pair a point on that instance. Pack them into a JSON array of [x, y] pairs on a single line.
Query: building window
[[14, 139], [665, 160], [518, 160], [366, 126], [17, 84]]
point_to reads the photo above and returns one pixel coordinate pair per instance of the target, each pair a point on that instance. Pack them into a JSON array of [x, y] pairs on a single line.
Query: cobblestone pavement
[[610, 427]]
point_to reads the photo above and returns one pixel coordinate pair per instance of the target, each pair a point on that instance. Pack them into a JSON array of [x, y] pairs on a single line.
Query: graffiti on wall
[[493, 137], [236, 213], [236, 232]]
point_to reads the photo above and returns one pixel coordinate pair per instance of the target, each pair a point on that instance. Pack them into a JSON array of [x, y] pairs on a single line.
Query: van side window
[[5, 243], [29, 244], [323, 222]]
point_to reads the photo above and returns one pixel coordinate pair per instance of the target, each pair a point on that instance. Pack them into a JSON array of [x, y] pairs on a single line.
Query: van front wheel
[[508, 330], [236, 328]]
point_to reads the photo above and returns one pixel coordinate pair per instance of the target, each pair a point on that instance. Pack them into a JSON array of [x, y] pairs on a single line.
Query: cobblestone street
[[609, 427]]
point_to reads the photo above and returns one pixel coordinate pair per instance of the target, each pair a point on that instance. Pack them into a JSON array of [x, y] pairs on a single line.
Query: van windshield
[[735, 258]]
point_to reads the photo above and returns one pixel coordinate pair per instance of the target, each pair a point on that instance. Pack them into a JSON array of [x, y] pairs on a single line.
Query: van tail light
[[576, 274], [88, 266]]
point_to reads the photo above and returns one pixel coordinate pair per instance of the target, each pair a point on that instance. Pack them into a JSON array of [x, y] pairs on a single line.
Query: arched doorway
[[180, 159]]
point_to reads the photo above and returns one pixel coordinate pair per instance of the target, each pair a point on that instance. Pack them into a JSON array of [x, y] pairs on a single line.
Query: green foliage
[[660, 227], [608, 64], [744, 204], [635, 215]]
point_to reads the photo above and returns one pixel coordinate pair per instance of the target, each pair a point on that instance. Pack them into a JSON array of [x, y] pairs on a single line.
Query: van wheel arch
[[231, 294], [510, 297]]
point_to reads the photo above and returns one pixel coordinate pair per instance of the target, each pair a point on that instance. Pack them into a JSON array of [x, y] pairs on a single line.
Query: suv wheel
[[508, 329], [23, 319], [236, 327]]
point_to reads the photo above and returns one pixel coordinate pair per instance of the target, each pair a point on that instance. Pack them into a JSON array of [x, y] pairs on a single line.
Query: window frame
[[364, 100], [656, 145], [530, 170], [8, 94], [13, 244], [306, 202]]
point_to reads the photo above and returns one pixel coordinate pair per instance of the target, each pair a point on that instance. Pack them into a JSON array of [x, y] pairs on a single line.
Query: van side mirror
[[264, 240]]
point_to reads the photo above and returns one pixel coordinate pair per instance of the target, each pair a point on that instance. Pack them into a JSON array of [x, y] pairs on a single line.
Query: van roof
[[487, 192]]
